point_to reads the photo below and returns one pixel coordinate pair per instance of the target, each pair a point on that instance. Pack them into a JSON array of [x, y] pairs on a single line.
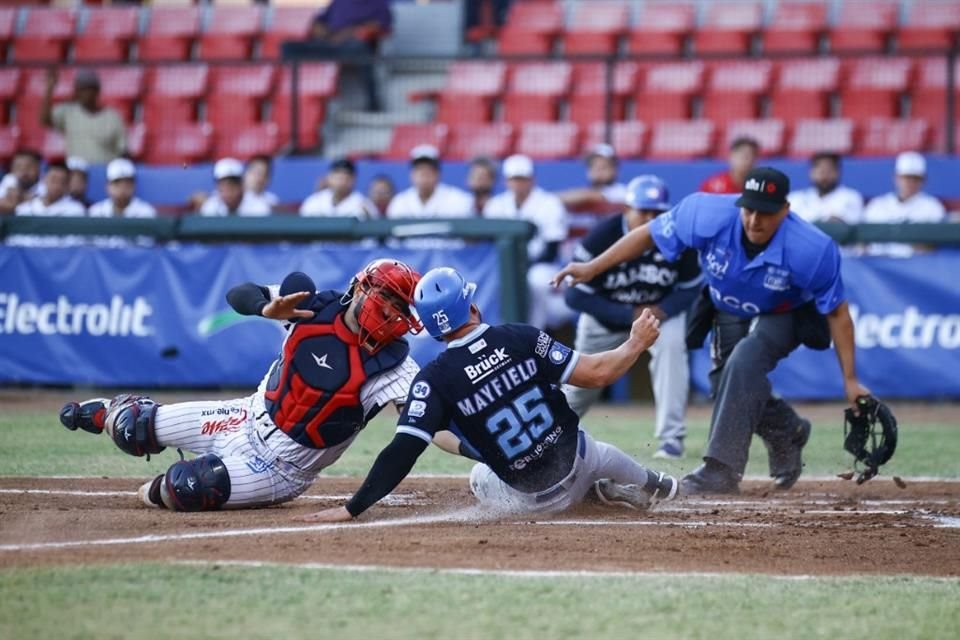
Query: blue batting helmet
[[442, 300], [648, 193]]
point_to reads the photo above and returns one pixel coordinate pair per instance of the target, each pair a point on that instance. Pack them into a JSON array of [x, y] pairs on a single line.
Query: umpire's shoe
[[711, 477], [786, 461], [88, 415]]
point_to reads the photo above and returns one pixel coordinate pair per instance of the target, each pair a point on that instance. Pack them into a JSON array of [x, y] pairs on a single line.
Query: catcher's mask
[[870, 436], [383, 291]]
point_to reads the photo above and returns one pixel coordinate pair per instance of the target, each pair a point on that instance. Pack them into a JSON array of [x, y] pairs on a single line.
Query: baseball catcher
[[870, 435], [342, 361]]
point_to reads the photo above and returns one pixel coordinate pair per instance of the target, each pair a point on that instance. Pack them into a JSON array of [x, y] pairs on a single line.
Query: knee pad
[[130, 423], [201, 484]]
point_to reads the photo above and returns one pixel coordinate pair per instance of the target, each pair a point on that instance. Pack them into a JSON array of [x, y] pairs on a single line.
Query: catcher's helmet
[[384, 289], [648, 193], [442, 300], [870, 435]]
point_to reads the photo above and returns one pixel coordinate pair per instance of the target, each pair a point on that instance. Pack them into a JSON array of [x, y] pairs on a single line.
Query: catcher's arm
[[841, 330]]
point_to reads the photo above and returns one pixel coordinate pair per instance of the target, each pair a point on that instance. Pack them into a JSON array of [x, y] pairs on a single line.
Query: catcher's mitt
[[870, 436]]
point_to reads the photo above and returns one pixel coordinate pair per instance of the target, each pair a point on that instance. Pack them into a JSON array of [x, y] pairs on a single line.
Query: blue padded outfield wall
[[145, 317]]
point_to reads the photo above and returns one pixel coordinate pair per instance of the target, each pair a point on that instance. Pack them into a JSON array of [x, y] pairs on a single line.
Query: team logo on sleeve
[[417, 409], [543, 344], [559, 353], [420, 390], [667, 225]]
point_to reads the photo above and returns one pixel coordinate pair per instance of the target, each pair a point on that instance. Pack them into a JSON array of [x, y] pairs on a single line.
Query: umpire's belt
[[566, 483]]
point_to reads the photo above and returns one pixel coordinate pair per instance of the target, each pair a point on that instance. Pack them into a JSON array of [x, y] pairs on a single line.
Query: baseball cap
[[228, 168], [76, 163], [344, 164], [602, 150], [911, 163], [423, 152], [518, 166], [765, 190], [120, 169], [86, 78]]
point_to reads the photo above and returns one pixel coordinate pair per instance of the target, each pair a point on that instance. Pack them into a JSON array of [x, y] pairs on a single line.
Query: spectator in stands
[[347, 28], [381, 192], [604, 192], [93, 132], [481, 179], [230, 198], [827, 200], [22, 182], [56, 200], [524, 200], [257, 177], [340, 198], [743, 155], [79, 179], [482, 17], [908, 203], [121, 200], [428, 197]]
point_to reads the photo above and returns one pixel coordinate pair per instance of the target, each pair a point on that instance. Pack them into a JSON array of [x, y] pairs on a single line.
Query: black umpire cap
[[765, 190]]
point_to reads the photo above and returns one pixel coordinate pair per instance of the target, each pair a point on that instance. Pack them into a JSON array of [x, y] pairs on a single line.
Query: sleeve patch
[[543, 344], [417, 409], [559, 353], [420, 390]]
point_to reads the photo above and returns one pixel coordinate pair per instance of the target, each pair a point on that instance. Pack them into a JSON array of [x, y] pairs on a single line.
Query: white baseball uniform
[[137, 208], [890, 209], [250, 205], [444, 202], [355, 205], [842, 203], [64, 207]]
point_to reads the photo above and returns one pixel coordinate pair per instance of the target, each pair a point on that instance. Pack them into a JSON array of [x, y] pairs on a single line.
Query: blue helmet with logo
[[442, 300], [648, 193]]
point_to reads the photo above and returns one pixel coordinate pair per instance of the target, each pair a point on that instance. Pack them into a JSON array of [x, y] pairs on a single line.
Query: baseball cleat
[[659, 487], [670, 450], [149, 493], [711, 478], [88, 415]]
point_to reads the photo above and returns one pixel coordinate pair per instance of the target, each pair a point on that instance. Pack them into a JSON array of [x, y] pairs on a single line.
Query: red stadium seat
[[184, 143], [535, 90], [628, 138], [107, 35], [596, 28], [681, 139], [811, 136], [120, 88], [170, 34], [728, 28], [769, 133], [8, 20], [174, 93], [317, 84], [662, 28], [244, 143], [930, 25], [28, 100], [796, 28], [864, 25], [407, 136], [884, 137], [231, 32], [9, 86], [9, 143], [45, 35], [667, 91], [471, 140], [531, 28], [53, 146], [470, 91], [803, 88], [288, 23], [547, 140], [734, 90], [929, 95], [136, 140], [874, 86], [247, 81], [588, 104]]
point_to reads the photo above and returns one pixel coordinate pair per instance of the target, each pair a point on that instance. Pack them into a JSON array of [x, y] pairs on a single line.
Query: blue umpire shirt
[[800, 264]]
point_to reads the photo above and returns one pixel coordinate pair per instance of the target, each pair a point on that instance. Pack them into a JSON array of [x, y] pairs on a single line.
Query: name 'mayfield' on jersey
[[67, 318]]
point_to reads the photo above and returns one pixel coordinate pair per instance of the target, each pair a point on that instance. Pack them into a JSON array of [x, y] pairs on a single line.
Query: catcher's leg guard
[[88, 415], [201, 484], [130, 423]]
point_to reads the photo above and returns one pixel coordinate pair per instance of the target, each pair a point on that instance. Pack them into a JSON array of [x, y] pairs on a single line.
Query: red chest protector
[[313, 392]]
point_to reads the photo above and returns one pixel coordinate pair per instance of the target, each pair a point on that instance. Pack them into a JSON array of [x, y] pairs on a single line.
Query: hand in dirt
[[336, 514], [284, 307]]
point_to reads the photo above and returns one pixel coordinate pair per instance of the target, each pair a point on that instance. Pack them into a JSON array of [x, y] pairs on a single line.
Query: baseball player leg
[[592, 337], [196, 426], [619, 479], [493, 493], [670, 374]]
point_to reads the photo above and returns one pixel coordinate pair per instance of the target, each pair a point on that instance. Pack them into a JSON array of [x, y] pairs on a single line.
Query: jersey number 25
[[521, 424]]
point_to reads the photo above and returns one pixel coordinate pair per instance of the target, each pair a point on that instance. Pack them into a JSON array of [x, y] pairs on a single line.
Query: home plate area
[[821, 527]]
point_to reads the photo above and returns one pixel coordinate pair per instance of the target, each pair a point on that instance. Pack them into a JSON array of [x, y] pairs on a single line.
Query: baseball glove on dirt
[[870, 436]]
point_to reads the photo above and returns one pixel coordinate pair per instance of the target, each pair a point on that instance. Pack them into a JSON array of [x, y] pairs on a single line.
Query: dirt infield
[[828, 527]]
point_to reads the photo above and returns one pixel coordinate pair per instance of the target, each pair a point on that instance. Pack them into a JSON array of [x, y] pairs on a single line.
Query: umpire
[[610, 303], [773, 283]]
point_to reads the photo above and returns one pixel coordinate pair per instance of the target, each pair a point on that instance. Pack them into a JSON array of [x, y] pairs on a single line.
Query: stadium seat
[[170, 34], [769, 133], [796, 27], [470, 91], [874, 86], [549, 140], [107, 35], [531, 28], [803, 88], [407, 136], [628, 138], [8, 20], [662, 28], [178, 144], [928, 99], [45, 35], [174, 93], [288, 23], [245, 142], [237, 94], [535, 90], [885, 137], [471, 140], [930, 25], [864, 25], [32, 87], [596, 28], [53, 146], [681, 139], [667, 90], [734, 89], [230, 33], [728, 27], [811, 136], [9, 86], [136, 140], [120, 88], [317, 84], [9, 143], [588, 104]]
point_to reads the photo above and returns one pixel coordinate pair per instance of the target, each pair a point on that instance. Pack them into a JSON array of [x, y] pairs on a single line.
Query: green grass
[[33, 443], [163, 601]]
